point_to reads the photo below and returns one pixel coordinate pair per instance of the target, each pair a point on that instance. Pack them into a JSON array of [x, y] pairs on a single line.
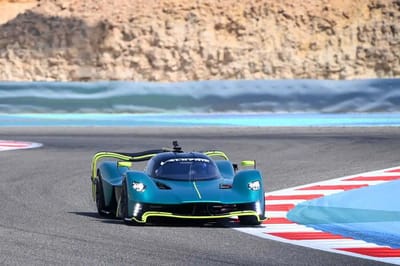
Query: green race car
[[176, 184]]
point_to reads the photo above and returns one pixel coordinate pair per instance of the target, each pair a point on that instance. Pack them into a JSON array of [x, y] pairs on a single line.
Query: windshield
[[187, 169]]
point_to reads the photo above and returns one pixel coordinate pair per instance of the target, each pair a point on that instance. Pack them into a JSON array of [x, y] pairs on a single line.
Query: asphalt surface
[[48, 217]]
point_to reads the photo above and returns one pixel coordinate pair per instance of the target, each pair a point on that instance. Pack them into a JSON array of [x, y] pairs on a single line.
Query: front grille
[[199, 209]]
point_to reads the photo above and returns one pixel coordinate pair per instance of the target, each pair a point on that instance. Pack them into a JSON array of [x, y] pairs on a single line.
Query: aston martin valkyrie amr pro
[[185, 185]]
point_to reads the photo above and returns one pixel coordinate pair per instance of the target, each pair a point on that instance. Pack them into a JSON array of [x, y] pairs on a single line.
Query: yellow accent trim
[[146, 215], [217, 154], [197, 190]]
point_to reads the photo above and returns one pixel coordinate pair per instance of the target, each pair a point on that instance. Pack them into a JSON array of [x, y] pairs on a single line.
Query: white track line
[[8, 145]]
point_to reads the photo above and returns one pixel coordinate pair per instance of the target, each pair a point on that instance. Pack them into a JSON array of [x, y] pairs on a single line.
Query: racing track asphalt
[[48, 218]]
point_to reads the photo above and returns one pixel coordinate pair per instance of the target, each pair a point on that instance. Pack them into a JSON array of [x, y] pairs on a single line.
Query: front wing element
[[141, 212], [149, 214]]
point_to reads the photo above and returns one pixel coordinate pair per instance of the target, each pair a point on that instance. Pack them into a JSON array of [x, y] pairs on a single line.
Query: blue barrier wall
[[312, 96]]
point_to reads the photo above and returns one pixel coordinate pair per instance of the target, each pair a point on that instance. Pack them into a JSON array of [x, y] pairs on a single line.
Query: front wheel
[[123, 206], [249, 220], [123, 203]]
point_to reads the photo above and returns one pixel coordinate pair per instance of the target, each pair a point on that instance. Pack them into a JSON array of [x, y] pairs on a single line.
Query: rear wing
[[147, 155], [124, 158], [127, 157], [216, 154], [221, 155], [142, 156]]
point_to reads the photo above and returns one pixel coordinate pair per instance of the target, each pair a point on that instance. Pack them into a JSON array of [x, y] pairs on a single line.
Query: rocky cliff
[[177, 40]]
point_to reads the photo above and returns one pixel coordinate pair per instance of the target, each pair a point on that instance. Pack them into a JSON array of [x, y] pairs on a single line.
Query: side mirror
[[124, 164], [248, 163]]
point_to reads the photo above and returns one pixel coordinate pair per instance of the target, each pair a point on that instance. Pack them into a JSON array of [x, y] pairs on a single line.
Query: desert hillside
[[178, 40]]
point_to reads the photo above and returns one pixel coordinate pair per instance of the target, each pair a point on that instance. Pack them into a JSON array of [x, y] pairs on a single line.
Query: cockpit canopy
[[182, 166]]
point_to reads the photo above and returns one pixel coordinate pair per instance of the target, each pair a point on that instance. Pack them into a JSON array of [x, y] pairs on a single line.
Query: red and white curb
[[279, 228], [7, 145]]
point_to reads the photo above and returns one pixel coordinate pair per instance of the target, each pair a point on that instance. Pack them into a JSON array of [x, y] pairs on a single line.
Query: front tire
[[123, 206], [249, 220], [123, 209]]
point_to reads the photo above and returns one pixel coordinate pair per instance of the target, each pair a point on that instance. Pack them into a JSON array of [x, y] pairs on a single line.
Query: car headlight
[[255, 185], [138, 186]]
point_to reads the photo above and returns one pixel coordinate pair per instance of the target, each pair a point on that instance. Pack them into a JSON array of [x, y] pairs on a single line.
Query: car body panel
[[225, 168]]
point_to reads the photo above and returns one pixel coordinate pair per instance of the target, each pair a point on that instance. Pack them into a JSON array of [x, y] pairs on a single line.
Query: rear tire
[[102, 209], [100, 203], [249, 220]]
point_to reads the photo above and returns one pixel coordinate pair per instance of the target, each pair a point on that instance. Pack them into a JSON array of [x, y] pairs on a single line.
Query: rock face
[[177, 40]]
